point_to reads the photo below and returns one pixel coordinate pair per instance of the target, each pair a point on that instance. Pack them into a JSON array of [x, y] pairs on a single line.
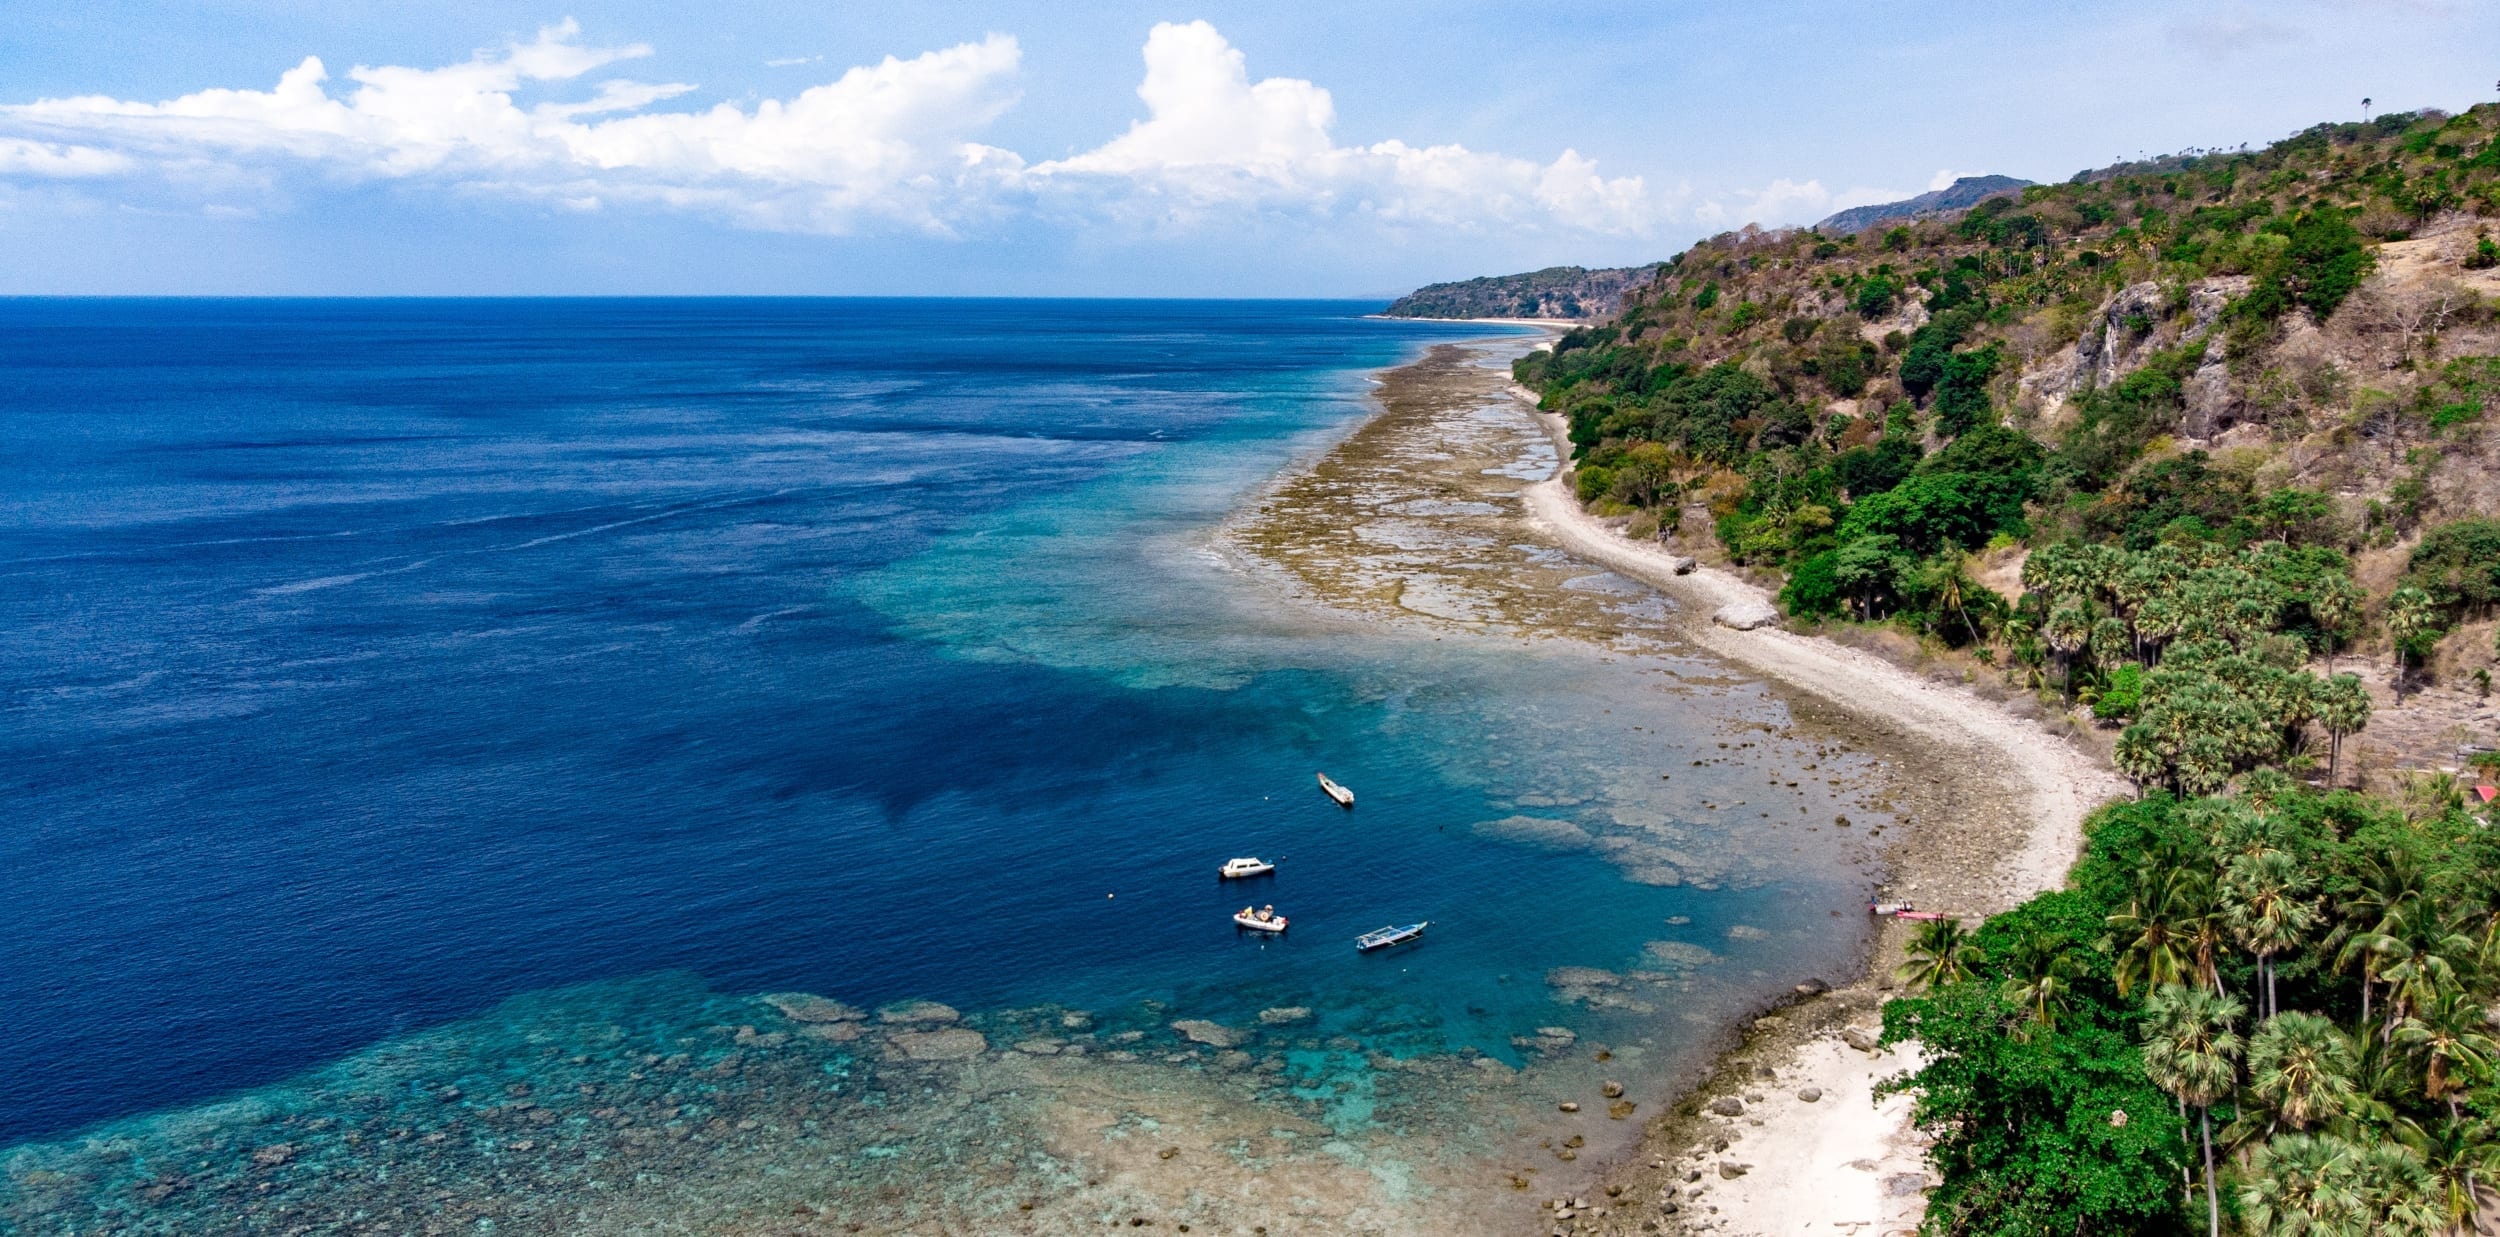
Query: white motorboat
[[1235, 869], [1344, 797], [1266, 920]]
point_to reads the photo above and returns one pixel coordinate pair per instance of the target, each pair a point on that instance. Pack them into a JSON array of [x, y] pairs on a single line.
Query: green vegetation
[[1555, 292], [2262, 1012], [2260, 1004]]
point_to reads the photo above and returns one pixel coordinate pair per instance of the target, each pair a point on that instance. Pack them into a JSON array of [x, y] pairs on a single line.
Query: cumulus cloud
[[883, 146], [1212, 138], [884, 142]]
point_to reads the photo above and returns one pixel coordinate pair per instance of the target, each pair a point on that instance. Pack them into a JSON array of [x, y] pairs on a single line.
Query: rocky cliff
[[1572, 292], [1962, 194]]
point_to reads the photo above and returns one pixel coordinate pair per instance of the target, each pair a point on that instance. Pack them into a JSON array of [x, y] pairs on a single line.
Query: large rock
[[1285, 1015], [951, 1044], [809, 1007], [1728, 1106], [1746, 615], [1212, 1034], [918, 1011]]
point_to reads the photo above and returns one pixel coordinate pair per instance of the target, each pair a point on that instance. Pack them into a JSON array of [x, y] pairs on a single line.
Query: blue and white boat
[[1386, 937]]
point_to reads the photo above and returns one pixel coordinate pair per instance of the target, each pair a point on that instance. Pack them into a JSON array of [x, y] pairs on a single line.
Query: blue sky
[[1024, 148]]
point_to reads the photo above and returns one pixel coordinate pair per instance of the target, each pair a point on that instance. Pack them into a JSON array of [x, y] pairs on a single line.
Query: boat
[[1344, 797], [1386, 937], [1260, 920], [1235, 869]]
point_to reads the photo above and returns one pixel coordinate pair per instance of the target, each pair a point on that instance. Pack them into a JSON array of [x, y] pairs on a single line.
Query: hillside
[[1966, 192], [2300, 343], [2198, 455], [1556, 292]]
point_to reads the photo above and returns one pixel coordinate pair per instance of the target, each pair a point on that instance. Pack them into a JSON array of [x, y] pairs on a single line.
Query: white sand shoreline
[[1832, 1164]]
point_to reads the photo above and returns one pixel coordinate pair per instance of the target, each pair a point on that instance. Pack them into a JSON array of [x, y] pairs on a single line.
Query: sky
[[1031, 148]]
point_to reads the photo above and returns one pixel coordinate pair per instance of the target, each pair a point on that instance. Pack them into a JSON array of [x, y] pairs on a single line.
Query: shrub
[[2458, 564], [1876, 294]]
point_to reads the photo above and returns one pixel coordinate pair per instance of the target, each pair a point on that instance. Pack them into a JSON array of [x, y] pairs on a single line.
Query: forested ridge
[[2179, 446]]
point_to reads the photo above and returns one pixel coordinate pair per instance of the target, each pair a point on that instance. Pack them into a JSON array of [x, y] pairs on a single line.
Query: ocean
[[377, 672]]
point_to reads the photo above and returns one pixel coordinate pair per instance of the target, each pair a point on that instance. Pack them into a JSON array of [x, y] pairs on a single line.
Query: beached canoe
[[1386, 937], [1235, 869], [1344, 797], [1250, 920]]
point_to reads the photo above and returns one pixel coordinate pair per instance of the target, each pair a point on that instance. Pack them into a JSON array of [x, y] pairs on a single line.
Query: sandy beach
[[1787, 1137]]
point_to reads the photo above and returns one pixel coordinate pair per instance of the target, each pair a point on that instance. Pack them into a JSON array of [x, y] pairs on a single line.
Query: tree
[[2449, 1035], [2069, 628], [2046, 1133], [2191, 1052], [2300, 1069], [2343, 708], [2304, 1184], [2411, 617], [1940, 954], [2456, 1154], [2154, 930], [2265, 906], [2042, 982]]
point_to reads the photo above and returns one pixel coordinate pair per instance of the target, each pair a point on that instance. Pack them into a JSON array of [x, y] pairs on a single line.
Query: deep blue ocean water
[[366, 663]]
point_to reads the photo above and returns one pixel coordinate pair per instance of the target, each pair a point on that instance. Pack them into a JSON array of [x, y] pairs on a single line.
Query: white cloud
[[1213, 139], [890, 145], [19, 157], [885, 141]]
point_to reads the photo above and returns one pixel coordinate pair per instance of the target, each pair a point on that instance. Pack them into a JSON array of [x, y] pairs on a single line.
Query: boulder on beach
[[917, 1011], [1212, 1034], [951, 1044], [1683, 565], [1746, 615], [809, 1007]]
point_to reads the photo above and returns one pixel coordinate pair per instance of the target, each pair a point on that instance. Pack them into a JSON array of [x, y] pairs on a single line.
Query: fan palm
[[2190, 1051], [2266, 908], [2306, 1184], [2300, 1069]]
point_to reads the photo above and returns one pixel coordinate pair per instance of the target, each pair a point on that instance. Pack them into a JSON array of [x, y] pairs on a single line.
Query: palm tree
[[2043, 978], [1940, 954], [2423, 963], [2450, 1035], [2190, 1051], [2335, 602], [2390, 882], [2304, 1184], [2155, 927], [2343, 707], [2396, 1192], [2411, 615], [2300, 1069], [2456, 1154], [2069, 628], [2265, 908]]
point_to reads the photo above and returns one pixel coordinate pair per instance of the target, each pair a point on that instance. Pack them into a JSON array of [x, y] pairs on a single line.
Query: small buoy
[[1111, 895]]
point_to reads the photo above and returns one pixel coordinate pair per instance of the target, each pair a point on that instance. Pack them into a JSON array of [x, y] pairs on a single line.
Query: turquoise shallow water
[[475, 696]]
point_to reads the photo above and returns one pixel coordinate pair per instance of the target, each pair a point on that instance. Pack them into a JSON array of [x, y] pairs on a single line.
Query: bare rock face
[[1746, 615], [809, 1007], [951, 1044], [1212, 1034]]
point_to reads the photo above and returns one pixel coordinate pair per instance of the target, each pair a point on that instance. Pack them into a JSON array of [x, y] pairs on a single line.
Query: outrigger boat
[[1386, 937], [1344, 797], [1262, 920], [1235, 869]]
